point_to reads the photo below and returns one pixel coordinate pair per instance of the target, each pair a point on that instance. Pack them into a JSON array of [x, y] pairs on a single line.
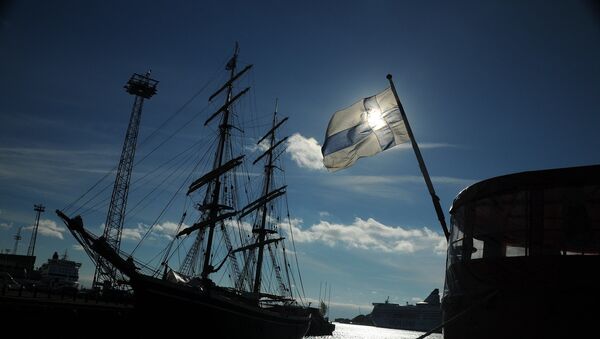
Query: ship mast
[[268, 195], [224, 128], [212, 205]]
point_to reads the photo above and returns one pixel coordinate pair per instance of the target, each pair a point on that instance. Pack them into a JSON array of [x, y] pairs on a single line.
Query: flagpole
[[434, 198]]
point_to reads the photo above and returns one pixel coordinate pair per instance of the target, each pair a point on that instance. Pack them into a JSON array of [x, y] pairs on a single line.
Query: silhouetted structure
[[18, 266], [142, 87], [247, 308], [39, 208], [423, 316], [59, 272], [521, 256], [319, 324], [17, 238]]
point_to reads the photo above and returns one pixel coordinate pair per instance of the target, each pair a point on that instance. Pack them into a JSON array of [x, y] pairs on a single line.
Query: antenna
[[329, 301], [320, 287], [39, 208], [17, 237]]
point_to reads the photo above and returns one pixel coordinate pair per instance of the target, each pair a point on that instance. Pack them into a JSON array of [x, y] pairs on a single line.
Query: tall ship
[[521, 256], [424, 316], [236, 279]]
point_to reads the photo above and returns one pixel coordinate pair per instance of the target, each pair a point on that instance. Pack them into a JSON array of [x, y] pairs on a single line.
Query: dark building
[[18, 266]]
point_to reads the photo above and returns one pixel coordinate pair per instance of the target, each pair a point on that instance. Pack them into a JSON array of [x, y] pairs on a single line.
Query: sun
[[375, 119]]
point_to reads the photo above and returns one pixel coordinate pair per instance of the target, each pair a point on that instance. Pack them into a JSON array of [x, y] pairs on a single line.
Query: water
[[349, 331]]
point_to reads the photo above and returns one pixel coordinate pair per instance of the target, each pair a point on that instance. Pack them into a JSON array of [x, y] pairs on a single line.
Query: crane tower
[[141, 87]]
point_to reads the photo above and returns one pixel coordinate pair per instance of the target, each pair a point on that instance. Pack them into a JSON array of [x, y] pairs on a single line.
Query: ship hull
[[554, 299], [319, 325], [229, 315]]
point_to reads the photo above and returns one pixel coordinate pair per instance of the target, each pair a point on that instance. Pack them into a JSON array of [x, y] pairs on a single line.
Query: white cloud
[[78, 247], [263, 146], [5, 225], [166, 230], [133, 233], [372, 235], [306, 152], [49, 228], [244, 225], [323, 214]]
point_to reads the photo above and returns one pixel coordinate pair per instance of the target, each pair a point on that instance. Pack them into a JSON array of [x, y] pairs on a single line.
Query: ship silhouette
[[243, 243]]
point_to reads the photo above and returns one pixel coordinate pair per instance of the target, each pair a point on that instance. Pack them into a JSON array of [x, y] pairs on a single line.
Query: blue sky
[[489, 87]]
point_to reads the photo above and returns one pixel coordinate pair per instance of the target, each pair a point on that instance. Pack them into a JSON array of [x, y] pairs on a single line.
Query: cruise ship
[[59, 272], [423, 316]]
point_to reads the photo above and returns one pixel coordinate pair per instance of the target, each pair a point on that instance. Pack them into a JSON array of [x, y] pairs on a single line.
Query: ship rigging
[[252, 296]]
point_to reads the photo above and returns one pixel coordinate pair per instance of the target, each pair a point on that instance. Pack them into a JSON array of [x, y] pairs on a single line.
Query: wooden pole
[[435, 199]]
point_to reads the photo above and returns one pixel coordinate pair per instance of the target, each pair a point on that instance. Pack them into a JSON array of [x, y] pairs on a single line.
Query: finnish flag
[[366, 128]]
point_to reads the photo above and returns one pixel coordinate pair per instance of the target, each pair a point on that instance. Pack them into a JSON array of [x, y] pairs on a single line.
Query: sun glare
[[375, 119]]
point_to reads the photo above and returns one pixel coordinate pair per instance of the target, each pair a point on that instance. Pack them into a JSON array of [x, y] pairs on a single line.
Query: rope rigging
[[244, 265]]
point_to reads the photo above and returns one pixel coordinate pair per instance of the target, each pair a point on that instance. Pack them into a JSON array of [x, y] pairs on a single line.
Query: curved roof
[[570, 176]]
